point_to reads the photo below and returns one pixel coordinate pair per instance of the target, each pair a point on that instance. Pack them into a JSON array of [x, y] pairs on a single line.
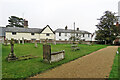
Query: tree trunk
[[105, 42]]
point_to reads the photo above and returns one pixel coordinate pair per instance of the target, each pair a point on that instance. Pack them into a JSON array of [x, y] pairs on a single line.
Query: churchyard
[[30, 67]]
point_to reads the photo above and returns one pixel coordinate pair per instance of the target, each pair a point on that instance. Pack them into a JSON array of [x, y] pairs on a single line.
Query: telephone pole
[[74, 31]]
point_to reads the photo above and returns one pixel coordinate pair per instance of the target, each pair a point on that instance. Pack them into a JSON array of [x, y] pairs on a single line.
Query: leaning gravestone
[[22, 40], [11, 56]]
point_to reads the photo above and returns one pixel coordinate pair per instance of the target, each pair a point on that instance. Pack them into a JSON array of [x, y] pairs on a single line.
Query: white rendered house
[[28, 34], [65, 34]]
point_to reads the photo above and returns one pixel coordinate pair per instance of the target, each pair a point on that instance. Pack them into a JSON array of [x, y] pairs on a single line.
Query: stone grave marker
[[36, 44], [19, 41], [22, 40], [6, 42], [46, 52], [11, 55]]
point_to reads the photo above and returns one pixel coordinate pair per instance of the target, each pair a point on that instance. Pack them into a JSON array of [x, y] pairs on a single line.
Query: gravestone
[[54, 42], [11, 55], [19, 41], [52, 57], [6, 42], [46, 52], [22, 40], [36, 44]]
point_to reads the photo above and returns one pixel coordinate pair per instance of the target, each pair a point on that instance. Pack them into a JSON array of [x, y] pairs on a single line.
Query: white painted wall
[[63, 37], [27, 36], [47, 30]]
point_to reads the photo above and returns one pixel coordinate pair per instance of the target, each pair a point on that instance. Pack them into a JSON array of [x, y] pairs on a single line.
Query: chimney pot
[[25, 23], [66, 28], [117, 24], [77, 29]]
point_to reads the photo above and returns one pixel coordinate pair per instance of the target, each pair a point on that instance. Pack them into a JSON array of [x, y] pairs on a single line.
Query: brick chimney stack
[[117, 24], [66, 28], [25, 23], [77, 29]]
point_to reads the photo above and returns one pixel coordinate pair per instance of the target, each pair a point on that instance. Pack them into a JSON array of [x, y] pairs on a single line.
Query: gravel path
[[95, 65]]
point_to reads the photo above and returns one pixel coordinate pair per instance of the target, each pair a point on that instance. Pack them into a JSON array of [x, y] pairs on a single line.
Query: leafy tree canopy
[[107, 30], [15, 22]]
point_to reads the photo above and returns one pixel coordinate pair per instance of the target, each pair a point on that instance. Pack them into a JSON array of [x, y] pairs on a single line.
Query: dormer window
[[13, 33], [32, 33]]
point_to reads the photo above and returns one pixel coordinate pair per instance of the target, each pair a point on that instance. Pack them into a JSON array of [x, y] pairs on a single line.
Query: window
[[32, 34], [47, 34], [88, 35], [59, 39], [83, 35], [13, 33], [65, 39], [76, 34], [65, 34], [60, 34]]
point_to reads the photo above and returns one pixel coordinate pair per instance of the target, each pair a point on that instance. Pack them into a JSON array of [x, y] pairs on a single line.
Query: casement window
[[32, 33], [13, 33], [83, 35], [88, 35], [65, 34], [59, 33], [76, 34], [47, 34]]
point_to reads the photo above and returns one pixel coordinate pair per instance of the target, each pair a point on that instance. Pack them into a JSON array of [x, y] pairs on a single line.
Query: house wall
[[63, 37], [86, 38], [27, 36], [47, 30]]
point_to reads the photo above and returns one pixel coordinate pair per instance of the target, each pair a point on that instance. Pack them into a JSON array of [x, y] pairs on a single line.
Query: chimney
[[66, 28], [117, 24], [77, 29], [25, 23]]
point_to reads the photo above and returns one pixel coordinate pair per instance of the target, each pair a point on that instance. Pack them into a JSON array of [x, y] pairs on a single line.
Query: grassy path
[[95, 65]]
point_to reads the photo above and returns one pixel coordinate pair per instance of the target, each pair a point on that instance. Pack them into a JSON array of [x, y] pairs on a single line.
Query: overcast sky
[[57, 13]]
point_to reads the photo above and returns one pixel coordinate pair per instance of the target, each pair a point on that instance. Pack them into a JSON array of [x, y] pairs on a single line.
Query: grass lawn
[[27, 68], [115, 69]]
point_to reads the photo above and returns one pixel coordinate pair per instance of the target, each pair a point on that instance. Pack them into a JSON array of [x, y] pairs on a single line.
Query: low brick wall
[[57, 56]]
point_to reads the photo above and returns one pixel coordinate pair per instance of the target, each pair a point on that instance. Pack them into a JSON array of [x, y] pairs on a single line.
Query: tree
[[107, 31], [15, 22]]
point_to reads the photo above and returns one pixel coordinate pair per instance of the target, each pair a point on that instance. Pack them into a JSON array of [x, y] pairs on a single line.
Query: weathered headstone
[[19, 41], [6, 42], [22, 40], [36, 44], [52, 57], [46, 52], [12, 56], [54, 42]]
